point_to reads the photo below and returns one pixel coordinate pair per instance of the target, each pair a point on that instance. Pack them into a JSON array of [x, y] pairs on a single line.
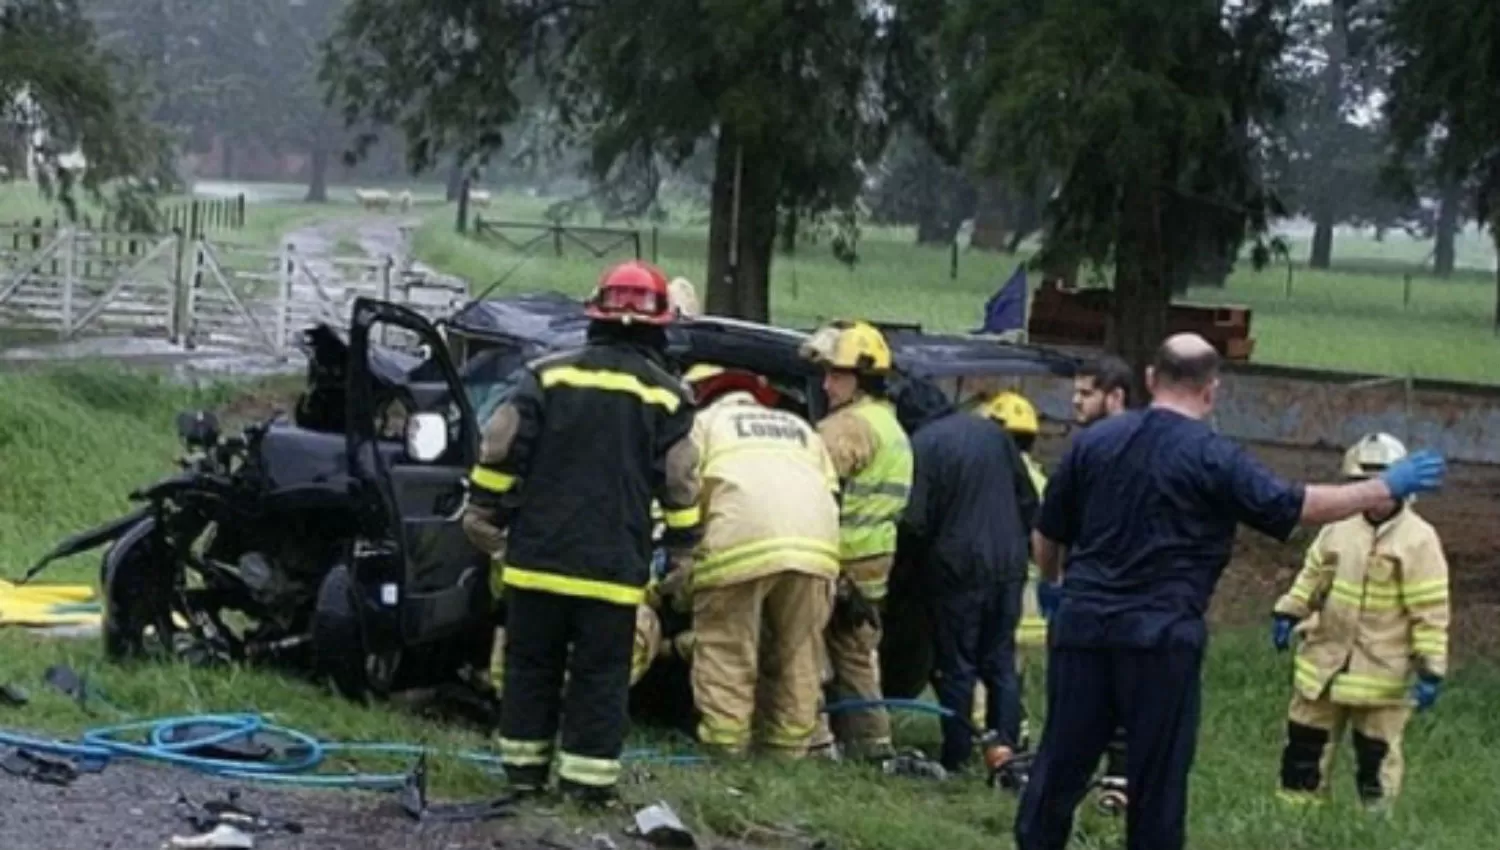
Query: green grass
[[74, 442], [1354, 318]]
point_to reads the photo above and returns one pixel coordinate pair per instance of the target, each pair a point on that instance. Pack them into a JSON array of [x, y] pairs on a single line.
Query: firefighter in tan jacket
[[762, 579], [1371, 607], [873, 459]]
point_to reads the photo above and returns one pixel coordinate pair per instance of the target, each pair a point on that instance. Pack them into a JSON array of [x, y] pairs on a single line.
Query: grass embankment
[[1356, 319], [72, 444]]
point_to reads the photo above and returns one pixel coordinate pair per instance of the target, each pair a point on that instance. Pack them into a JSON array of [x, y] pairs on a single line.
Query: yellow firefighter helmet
[[1372, 454], [702, 372], [854, 346], [1014, 412]]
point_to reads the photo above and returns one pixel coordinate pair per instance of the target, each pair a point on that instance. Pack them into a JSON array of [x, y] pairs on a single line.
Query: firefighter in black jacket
[[567, 472]]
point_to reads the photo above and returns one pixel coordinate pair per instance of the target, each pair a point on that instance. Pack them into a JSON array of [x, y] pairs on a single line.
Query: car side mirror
[[426, 436], [198, 428]]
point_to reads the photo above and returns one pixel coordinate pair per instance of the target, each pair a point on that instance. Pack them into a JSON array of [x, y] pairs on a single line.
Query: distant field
[[1353, 318]]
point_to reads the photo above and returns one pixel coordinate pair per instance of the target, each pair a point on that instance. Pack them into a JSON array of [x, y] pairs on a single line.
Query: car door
[[415, 567]]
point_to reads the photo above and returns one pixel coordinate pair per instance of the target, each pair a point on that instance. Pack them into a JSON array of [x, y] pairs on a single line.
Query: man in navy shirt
[[1146, 505]]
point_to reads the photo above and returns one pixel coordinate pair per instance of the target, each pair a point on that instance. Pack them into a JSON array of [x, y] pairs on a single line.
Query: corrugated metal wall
[[1308, 408]]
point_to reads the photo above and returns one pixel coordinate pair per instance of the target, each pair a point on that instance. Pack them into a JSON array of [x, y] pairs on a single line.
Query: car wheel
[[137, 588], [337, 646]]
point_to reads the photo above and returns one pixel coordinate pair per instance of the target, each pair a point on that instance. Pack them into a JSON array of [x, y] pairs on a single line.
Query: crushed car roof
[[551, 320]]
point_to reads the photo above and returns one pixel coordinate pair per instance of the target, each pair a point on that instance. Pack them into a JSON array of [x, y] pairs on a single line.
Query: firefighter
[[873, 459], [1018, 417], [1371, 607], [567, 471], [1016, 414], [762, 582]]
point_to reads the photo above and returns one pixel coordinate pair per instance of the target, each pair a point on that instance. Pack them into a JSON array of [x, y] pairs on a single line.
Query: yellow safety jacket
[[872, 457], [1032, 630], [1374, 609], [768, 495]]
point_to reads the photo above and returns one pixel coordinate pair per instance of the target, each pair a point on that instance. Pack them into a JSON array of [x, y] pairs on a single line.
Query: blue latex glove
[[1418, 472], [1425, 691], [1048, 597], [1281, 631]]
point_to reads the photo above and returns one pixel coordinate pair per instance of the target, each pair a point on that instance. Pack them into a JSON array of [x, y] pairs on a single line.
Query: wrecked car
[[326, 542], [329, 541]]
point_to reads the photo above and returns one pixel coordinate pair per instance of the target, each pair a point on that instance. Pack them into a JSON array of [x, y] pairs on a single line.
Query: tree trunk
[[742, 229], [990, 214], [1337, 47], [934, 228], [1142, 294], [1495, 234], [455, 181], [1322, 244], [789, 222], [1443, 253], [317, 183]]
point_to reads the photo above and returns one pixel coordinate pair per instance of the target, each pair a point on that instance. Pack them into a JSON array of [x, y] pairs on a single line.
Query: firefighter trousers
[[757, 661], [1155, 695], [1313, 731], [974, 640], [549, 637]]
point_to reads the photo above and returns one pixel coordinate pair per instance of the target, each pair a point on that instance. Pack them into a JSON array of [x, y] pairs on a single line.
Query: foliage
[[1153, 115], [793, 99], [60, 92], [914, 186]]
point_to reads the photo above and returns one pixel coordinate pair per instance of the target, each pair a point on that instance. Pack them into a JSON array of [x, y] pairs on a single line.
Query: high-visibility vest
[[1032, 630], [876, 495]]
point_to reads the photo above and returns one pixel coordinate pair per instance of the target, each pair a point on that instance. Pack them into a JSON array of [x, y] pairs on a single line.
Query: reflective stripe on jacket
[[575, 456], [1032, 630], [1374, 609], [768, 494], [877, 473]]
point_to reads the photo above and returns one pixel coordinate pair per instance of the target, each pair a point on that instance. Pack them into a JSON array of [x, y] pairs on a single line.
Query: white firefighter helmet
[[1372, 454]]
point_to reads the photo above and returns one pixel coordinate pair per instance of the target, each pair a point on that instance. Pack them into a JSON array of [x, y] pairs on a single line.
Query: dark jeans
[[1154, 694], [974, 639]]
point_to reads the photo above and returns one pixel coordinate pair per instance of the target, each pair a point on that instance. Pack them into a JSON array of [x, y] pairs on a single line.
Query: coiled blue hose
[[153, 740], [915, 705]]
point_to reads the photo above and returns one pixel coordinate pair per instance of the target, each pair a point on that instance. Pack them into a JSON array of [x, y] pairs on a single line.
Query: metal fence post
[[385, 295], [284, 296], [69, 262]]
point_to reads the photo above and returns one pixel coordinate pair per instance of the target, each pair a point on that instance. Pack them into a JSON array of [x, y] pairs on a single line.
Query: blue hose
[[102, 745], [891, 704]]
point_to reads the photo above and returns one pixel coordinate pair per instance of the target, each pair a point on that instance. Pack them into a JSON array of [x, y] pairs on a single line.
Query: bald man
[[1145, 505]]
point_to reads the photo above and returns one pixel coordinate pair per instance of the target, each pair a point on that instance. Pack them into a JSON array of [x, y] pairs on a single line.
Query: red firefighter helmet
[[632, 291]]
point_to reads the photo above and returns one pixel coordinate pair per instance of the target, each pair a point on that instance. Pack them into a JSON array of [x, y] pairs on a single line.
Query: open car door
[[422, 588]]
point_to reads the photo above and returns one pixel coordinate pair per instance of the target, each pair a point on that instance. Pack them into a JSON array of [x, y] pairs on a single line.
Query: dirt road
[[132, 807]]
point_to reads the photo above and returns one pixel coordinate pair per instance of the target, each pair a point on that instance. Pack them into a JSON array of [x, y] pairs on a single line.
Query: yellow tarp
[[48, 605]]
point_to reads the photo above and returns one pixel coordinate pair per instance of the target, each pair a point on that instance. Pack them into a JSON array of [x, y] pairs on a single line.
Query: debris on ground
[[24, 764], [211, 814], [70, 683], [13, 696], [602, 841], [660, 825], [414, 802], [221, 837], [914, 763]]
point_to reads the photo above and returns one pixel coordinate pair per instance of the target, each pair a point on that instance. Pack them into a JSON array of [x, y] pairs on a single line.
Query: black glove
[[851, 609]]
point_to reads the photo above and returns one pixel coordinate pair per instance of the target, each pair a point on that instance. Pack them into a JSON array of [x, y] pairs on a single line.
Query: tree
[[1152, 115], [792, 98], [1445, 98], [915, 187], [62, 93]]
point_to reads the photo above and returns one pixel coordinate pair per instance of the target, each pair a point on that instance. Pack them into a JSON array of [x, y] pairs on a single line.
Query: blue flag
[[1006, 309]]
